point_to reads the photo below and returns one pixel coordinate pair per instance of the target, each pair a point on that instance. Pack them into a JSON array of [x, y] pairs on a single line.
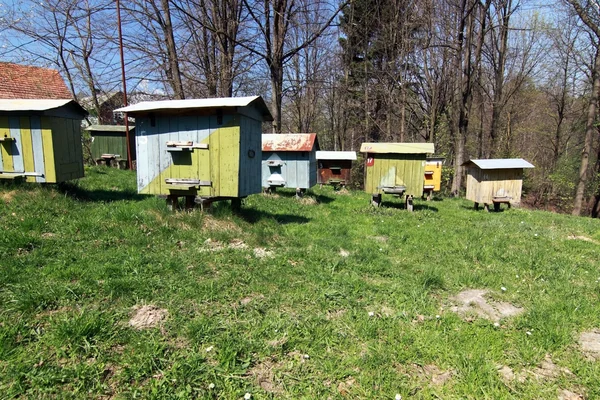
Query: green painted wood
[[396, 170], [109, 143]]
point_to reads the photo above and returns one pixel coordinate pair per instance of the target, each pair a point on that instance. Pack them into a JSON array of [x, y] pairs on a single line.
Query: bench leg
[[496, 206], [409, 203], [486, 207], [189, 202], [476, 206], [172, 202], [376, 199]]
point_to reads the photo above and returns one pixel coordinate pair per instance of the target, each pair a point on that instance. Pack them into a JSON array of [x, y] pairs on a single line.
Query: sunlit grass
[[286, 299]]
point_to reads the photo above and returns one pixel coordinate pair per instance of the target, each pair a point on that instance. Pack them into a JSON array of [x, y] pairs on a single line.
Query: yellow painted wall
[[434, 179]]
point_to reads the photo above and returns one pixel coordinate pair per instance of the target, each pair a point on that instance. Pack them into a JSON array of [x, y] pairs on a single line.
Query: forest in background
[[478, 78]]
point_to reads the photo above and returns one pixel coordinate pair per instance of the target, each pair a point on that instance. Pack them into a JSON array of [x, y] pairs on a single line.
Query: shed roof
[[398, 148], [336, 155], [195, 104], [39, 105], [499, 163], [108, 128], [290, 142], [28, 82]]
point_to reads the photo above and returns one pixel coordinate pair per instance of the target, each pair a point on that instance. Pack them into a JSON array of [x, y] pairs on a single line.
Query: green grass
[[76, 259]]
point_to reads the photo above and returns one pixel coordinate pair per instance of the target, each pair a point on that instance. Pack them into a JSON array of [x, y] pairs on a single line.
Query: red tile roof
[[26, 82]]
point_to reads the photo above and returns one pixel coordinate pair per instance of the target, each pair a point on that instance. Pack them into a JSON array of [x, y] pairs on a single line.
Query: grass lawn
[[325, 297]]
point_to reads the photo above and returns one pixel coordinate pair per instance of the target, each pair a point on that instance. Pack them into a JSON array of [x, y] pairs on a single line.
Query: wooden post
[[496, 207], [476, 206], [299, 193], [376, 199], [236, 204], [189, 202], [409, 202], [172, 202], [486, 207]]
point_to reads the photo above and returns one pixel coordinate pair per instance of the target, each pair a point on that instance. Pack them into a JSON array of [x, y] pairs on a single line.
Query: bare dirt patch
[[589, 342], [584, 238], [546, 370], [7, 197], [147, 316], [473, 302], [565, 394], [215, 245], [344, 253], [264, 374], [214, 224], [335, 314], [345, 386], [431, 373], [261, 252], [381, 239], [248, 299], [342, 192], [508, 375], [309, 201], [48, 235]]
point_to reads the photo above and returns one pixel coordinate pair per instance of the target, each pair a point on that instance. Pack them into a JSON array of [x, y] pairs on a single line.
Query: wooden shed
[[395, 168], [495, 181], [335, 167], [433, 175], [202, 149], [40, 140], [109, 144], [289, 160]]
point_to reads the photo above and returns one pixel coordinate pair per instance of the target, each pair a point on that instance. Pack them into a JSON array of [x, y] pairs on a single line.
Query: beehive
[[495, 181], [395, 168], [40, 140], [289, 160], [208, 148], [335, 167], [433, 175], [109, 144]]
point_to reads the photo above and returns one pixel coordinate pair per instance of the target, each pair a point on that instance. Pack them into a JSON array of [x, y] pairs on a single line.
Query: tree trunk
[[590, 129]]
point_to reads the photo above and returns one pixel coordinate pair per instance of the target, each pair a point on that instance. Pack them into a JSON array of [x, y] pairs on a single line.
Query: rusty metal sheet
[[290, 142]]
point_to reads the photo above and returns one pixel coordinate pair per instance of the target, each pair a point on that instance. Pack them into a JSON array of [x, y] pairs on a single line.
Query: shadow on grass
[[78, 193], [253, 216], [482, 209], [320, 198], [402, 206]]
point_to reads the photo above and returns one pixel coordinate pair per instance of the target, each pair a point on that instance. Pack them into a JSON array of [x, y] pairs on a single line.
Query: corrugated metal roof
[[290, 142], [37, 104], [500, 163], [399, 148], [191, 104], [336, 155], [108, 128]]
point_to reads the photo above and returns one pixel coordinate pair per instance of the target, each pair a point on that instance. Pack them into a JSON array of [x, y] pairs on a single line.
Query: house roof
[[193, 104], [499, 163], [27, 82], [108, 128], [336, 155], [39, 105], [290, 142], [397, 148]]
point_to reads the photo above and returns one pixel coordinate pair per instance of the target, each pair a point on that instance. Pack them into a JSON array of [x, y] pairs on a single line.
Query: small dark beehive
[[335, 167], [109, 144]]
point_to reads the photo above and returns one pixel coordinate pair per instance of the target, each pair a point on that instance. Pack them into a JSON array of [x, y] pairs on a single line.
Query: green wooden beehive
[[395, 168], [109, 143]]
